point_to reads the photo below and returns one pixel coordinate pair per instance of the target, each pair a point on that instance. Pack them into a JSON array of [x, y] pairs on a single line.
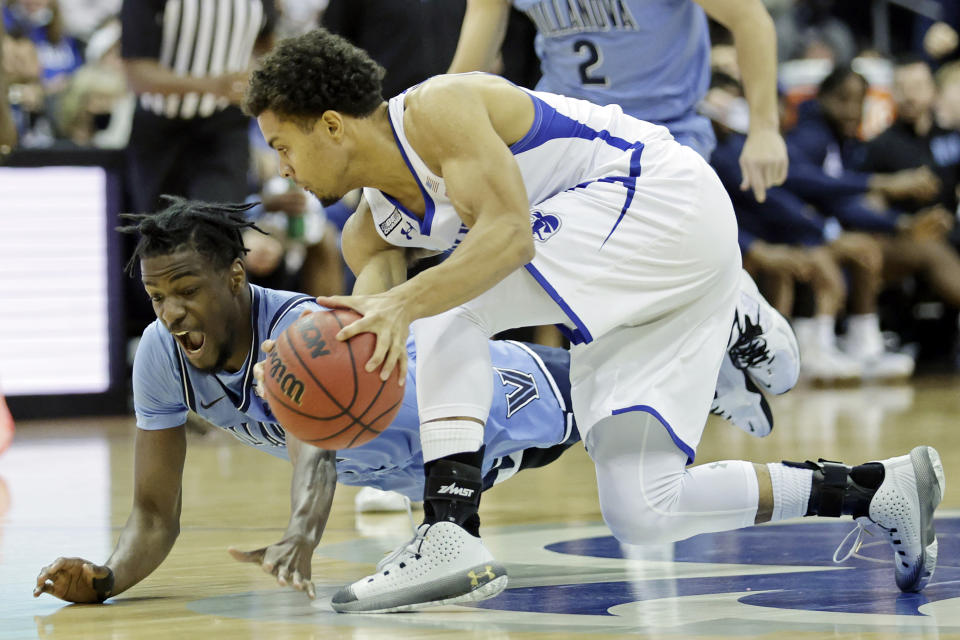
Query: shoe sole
[[928, 470], [755, 428], [780, 385], [764, 406], [450, 590]]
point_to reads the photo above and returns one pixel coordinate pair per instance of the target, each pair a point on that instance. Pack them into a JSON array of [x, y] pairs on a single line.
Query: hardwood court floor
[[65, 489]]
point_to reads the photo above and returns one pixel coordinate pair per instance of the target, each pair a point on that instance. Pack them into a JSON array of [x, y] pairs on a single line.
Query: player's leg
[[647, 496], [446, 562]]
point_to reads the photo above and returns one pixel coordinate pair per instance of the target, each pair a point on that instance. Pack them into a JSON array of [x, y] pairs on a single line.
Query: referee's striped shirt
[[200, 38]]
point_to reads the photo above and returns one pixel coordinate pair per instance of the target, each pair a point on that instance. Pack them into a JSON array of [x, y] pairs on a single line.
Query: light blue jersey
[[531, 407], [652, 57]]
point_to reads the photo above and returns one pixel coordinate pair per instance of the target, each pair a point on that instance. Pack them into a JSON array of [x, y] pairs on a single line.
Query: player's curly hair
[[213, 230], [304, 76]]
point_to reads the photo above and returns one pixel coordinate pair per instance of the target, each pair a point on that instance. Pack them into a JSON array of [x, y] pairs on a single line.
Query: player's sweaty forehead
[[171, 267]]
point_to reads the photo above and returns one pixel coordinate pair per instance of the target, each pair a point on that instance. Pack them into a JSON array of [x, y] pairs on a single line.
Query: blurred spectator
[[301, 252], [915, 139], [26, 93], [824, 144], [96, 109], [785, 241], [938, 39], [40, 22], [808, 29], [8, 132], [82, 18], [296, 17], [947, 105], [85, 109]]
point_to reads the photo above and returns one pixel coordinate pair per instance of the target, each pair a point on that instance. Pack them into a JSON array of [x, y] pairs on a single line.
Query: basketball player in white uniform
[[556, 211]]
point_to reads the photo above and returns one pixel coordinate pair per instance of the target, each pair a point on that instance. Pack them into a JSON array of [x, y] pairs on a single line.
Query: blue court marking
[[687, 449], [864, 586]]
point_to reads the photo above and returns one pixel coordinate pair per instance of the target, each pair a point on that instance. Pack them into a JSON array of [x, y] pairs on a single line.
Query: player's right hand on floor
[[288, 561], [70, 579]]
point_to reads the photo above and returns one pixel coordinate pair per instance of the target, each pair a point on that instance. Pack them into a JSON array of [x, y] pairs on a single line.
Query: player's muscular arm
[[377, 264], [481, 35], [764, 157], [311, 497], [448, 122], [147, 537]]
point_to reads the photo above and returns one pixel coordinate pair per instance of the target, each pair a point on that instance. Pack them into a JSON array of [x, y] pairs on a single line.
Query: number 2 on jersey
[[588, 66]]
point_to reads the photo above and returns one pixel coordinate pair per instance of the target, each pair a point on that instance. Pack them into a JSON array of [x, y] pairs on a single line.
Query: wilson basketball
[[317, 386]]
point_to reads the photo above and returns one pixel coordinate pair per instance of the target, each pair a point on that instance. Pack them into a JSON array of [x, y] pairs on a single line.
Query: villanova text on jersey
[[563, 17]]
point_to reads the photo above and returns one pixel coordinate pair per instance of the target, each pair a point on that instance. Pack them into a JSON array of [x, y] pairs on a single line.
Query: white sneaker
[[903, 506], [888, 365], [739, 401], [371, 499], [830, 365], [442, 564], [762, 343]]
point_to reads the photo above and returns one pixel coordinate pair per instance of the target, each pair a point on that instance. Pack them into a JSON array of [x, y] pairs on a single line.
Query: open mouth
[[191, 341]]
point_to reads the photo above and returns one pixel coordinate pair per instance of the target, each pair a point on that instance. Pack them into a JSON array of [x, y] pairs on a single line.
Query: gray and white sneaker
[[761, 343], [442, 564], [739, 401], [902, 508]]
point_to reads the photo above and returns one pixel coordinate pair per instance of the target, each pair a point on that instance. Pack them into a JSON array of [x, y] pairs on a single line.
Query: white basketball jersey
[[570, 144]]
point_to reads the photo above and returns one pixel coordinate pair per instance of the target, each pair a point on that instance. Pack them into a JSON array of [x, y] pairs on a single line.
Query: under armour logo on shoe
[[486, 573], [454, 490]]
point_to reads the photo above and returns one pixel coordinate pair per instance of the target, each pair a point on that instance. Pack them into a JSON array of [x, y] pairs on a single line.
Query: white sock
[[826, 336], [442, 438], [791, 490], [863, 333]]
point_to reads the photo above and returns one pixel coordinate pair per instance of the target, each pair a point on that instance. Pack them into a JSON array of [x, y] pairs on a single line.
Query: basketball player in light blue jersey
[[555, 211], [197, 358], [651, 57]]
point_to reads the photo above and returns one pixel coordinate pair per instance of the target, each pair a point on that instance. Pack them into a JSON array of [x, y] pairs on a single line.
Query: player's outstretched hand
[[763, 162], [384, 315], [72, 579], [287, 560]]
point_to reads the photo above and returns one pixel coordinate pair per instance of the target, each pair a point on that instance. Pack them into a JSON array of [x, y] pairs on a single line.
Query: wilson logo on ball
[[290, 386], [313, 340]]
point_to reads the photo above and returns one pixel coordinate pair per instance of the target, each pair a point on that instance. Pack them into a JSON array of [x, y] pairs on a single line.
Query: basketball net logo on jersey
[[562, 18], [543, 225]]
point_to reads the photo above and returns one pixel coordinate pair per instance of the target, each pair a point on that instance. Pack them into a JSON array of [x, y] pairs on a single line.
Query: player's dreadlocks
[[211, 229]]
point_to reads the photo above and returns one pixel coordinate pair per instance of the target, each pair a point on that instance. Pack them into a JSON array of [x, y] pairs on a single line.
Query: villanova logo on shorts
[[543, 225]]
